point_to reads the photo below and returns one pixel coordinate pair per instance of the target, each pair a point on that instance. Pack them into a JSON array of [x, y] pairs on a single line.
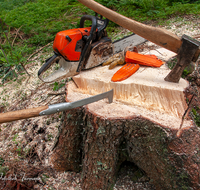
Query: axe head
[[189, 51]]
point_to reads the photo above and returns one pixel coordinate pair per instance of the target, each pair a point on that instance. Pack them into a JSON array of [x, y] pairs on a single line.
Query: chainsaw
[[83, 48]]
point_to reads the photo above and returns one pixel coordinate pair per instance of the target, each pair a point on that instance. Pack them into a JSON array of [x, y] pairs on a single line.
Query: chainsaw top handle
[[87, 39], [100, 23], [93, 28]]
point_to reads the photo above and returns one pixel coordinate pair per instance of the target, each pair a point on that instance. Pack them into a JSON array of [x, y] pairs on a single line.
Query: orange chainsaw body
[[68, 43], [78, 49]]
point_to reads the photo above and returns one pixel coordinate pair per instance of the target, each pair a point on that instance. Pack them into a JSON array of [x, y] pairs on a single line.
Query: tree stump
[[96, 139]]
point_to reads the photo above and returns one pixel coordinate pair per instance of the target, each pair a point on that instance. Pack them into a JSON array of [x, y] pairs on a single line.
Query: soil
[[26, 145]]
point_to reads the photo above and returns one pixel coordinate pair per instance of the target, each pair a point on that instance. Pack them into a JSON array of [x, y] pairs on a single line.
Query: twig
[[158, 52], [28, 80], [74, 82], [37, 52], [20, 36], [6, 58], [54, 96], [56, 93], [186, 112], [32, 55], [4, 42], [11, 45], [16, 35], [39, 156], [25, 69], [50, 100]]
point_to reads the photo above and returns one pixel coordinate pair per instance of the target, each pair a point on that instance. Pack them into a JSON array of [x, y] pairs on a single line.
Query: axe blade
[[188, 52]]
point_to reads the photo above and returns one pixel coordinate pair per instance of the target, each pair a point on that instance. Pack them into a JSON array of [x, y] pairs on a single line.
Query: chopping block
[[142, 126]]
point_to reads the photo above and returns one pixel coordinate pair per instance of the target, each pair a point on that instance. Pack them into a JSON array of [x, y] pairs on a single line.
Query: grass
[[196, 116], [40, 20]]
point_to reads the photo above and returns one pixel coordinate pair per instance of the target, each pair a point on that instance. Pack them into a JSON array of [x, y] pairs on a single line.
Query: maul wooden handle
[[158, 36], [21, 114]]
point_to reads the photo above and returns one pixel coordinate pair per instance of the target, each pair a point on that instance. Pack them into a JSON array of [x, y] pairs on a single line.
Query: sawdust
[[26, 145]]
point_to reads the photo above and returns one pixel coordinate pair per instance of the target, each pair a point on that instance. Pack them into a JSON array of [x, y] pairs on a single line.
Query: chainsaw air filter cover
[[69, 43]]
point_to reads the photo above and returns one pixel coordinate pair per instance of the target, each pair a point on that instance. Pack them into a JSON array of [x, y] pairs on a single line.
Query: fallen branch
[[25, 69], [32, 56], [16, 35], [37, 52], [56, 93], [186, 111]]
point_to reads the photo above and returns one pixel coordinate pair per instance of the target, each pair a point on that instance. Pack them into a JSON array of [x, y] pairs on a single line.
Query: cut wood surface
[[119, 109], [99, 137], [146, 88]]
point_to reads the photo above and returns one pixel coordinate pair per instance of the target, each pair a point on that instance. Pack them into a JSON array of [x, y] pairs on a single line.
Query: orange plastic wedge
[[147, 60], [126, 71]]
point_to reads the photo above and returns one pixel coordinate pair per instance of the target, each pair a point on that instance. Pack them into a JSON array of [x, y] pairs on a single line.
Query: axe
[[187, 48]]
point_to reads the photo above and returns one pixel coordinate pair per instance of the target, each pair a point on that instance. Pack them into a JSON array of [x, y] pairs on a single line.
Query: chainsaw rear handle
[[47, 64]]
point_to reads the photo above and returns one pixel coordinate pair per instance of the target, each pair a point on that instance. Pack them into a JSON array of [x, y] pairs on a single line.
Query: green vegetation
[[29, 24], [3, 171], [57, 86], [44, 178], [1, 161], [196, 115]]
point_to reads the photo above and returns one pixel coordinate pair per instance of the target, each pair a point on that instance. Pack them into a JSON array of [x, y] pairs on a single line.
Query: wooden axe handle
[[21, 114], [158, 36]]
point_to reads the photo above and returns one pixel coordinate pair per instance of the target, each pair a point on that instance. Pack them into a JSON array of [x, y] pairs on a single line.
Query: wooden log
[[96, 139]]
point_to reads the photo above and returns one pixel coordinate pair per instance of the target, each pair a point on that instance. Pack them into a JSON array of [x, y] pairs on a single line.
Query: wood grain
[[158, 36], [21, 114]]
